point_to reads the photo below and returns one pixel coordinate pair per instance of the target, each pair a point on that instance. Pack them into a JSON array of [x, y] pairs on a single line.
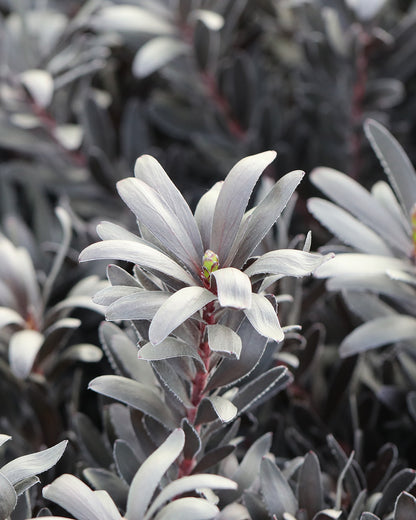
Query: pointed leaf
[[233, 199], [138, 253], [405, 507], [78, 499], [395, 162], [135, 394], [378, 332], [310, 489], [224, 340], [264, 318], [215, 407], [156, 53], [187, 484], [176, 309], [262, 218], [30, 465], [347, 228], [233, 287], [189, 508], [287, 262], [150, 472], [350, 264], [152, 210], [169, 348], [204, 213], [23, 348], [141, 305], [276, 491]]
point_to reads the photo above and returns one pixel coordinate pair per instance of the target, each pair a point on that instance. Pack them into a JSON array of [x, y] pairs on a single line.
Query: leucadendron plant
[[196, 300]]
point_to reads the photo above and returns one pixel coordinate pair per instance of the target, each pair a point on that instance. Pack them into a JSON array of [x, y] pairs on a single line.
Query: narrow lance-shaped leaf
[[178, 308], [169, 348], [233, 288], [204, 212], [264, 318], [141, 305], [233, 199], [276, 491], [310, 489], [150, 472], [138, 253], [262, 219], [378, 332]]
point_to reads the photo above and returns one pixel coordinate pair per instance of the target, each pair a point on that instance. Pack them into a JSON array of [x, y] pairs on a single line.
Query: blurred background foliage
[[88, 86]]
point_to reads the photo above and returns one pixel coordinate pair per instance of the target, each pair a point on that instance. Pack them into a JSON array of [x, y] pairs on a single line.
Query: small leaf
[[150, 472], [310, 489], [276, 491], [169, 348], [189, 508], [224, 340], [156, 53], [378, 332], [264, 318], [215, 407], [176, 309], [233, 287], [39, 84]]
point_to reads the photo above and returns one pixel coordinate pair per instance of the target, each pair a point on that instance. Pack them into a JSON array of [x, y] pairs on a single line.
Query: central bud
[[210, 263]]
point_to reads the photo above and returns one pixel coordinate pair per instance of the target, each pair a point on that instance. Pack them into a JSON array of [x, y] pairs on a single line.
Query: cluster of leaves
[[213, 338]]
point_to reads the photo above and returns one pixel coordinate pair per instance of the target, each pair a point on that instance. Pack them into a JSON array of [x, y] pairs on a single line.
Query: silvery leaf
[[23, 348], [215, 407], [185, 485], [138, 253], [151, 172], [347, 228], [8, 497], [130, 19], [140, 305], [39, 84], [395, 162], [109, 295], [346, 192], [204, 213], [176, 309], [78, 499], [135, 394], [233, 288], [188, 508], [276, 491], [214, 21], [156, 53], [150, 472], [382, 191], [255, 228], [287, 262], [169, 348], [263, 318], [359, 264], [378, 332], [110, 231], [310, 487], [224, 340], [30, 465], [156, 213], [4, 438], [405, 507], [233, 199], [10, 317]]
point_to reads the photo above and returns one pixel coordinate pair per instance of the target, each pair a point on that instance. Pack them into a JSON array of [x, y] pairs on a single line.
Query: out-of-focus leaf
[[4, 438], [10, 317], [267, 383], [216, 407], [39, 83], [378, 332], [233, 288], [176, 309], [78, 499], [83, 352], [358, 505], [395, 162], [369, 516], [232, 370], [405, 507], [186, 484], [106, 480], [351, 264], [130, 19], [169, 348], [155, 212], [399, 482], [70, 136], [188, 508], [347, 228], [150, 472], [276, 491], [8, 497], [138, 253], [23, 348], [233, 199], [224, 340], [214, 21], [255, 228], [287, 262], [367, 10], [156, 53], [151, 172], [310, 489], [346, 192], [141, 305], [91, 441], [136, 395], [264, 318]]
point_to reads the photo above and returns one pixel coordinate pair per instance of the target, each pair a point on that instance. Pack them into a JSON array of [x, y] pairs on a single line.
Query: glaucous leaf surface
[[224, 340], [189, 508], [216, 407], [140, 305], [287, 262], [276, 491], [233, 288], [23, 348], [8, 497], [169, 348], [263, 318]]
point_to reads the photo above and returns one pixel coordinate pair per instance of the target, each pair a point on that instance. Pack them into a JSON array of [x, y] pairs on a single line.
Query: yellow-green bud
[[210, 263]]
